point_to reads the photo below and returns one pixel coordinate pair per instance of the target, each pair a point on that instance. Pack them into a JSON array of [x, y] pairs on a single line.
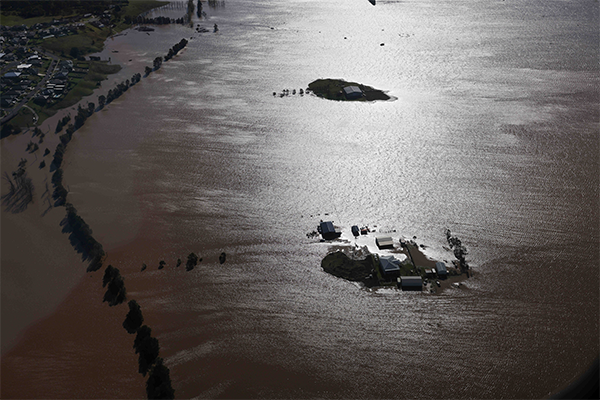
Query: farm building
[[410, 283], [440, 269], [384, 242], [352, 92]]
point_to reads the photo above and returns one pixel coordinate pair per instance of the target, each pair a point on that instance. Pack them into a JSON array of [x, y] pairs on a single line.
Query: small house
[[410, 283], [440, 269], [389, 267], [352, 92], [384, 242]]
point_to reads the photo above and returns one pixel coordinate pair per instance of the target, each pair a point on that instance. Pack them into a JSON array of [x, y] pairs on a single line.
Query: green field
[[12, 20], [24, 118]]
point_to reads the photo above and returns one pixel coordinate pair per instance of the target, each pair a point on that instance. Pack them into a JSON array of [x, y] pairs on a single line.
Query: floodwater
[[493, 133]]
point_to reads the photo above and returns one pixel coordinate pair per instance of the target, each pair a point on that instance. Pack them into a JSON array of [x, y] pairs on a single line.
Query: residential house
[[389, 266]]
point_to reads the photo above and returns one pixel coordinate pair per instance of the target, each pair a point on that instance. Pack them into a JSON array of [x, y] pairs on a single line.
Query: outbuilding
[[410, 283], [328, 231], [352, 92], [384, 242], [440, 269]]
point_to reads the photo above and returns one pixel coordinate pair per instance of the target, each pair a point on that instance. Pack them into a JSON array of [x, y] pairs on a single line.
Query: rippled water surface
[[493, 133]]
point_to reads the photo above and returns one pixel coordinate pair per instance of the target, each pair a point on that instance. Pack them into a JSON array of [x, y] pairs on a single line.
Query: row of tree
[[158, 385], [460, 251], [152, 21], [157, 63], [119, 89], [175, 49]]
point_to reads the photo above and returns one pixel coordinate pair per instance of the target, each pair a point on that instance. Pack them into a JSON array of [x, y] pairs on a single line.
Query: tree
[[143, 332], [147, 70], [161, 264], [91, 108], [158, 385], [115, 293], [148, 350], [134, 318], [192, 261], [101, 101], [157, 62]]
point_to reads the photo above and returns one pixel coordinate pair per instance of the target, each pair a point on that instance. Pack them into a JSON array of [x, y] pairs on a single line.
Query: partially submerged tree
[[192, 261], [159, 385], [148, 350], [134, 318], [115, 292]]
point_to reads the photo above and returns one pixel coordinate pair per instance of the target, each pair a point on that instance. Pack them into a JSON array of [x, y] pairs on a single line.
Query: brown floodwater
[[493, 134]]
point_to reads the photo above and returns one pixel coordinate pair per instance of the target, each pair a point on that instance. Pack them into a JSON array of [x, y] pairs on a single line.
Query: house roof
[[389, 264], [411, 281], [327, 227], [352, 90], [12, 74], [384, 241]]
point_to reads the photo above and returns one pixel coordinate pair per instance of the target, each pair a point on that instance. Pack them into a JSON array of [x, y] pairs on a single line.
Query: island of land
[[414, 272], [338, 89]]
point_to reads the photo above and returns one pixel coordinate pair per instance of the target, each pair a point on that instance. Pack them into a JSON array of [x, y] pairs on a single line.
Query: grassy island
[[333, 89]]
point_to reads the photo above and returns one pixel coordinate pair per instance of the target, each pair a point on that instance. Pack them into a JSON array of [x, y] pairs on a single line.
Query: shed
[[440, 269], [353, 92], [410, 283], [328, 231], [389, 267], [384, 242]]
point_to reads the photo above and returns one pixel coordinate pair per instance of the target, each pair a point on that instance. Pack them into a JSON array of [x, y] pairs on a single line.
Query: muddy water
[[493, 133]]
